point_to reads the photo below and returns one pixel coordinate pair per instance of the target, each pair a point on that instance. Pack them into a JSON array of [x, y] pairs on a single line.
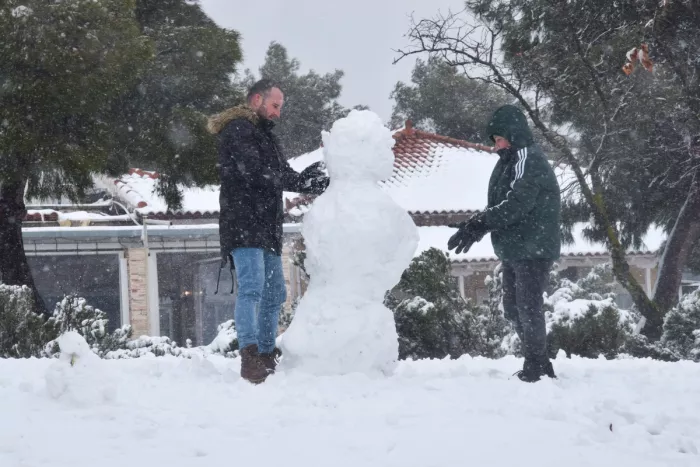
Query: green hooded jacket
[[524, 198]]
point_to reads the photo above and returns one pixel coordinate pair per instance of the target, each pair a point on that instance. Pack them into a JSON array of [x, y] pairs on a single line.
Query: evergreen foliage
[[432, 320], [442, 100]]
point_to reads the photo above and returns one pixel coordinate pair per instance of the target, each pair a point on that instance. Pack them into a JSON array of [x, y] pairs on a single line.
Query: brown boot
[[271, 359], [252, 366]]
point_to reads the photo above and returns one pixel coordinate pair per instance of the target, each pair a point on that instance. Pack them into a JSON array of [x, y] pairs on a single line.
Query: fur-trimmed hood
[[217, 122]]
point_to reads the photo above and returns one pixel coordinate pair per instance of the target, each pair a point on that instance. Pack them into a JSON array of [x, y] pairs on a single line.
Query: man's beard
[[262, 112]]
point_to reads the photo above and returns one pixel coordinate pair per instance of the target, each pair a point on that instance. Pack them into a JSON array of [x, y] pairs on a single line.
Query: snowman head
[[358, 148]]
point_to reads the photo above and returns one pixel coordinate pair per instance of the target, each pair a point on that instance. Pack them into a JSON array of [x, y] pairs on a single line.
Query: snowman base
[[336, 338]]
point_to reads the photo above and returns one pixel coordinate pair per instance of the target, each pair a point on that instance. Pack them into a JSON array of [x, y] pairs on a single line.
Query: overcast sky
[[356, 36]]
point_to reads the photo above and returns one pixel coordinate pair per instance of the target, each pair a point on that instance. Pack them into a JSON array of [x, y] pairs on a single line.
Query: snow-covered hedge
[[682, 328], [147, 346], [226, 341], [74, 314], [434, 321], [583, 318], [23, 333]]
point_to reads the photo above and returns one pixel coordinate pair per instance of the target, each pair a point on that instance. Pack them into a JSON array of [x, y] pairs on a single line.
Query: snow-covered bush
[[23, 333], [149, 346], [497, 337], [583, 318], [598, 330], [74, 314], [682, 328], [637, 345], [432, 319], [226, 341]]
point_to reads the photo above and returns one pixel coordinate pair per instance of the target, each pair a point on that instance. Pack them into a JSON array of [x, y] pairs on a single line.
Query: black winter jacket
[[253, 175]]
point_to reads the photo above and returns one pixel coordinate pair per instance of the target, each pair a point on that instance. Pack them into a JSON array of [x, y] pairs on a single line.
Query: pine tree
[[161, 123], [565, 64], [98, 86], [573, 53], [62, 64], [444, 101]]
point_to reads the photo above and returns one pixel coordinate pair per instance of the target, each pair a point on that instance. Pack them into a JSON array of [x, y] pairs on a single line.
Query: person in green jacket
[[523, 216]]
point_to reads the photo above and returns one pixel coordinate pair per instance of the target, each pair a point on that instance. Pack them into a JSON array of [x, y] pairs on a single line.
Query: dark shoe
[[270, 360], [533, 371], [252, 366]]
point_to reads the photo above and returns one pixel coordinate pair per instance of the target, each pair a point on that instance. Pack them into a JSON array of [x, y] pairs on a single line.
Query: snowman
[[358, 243]]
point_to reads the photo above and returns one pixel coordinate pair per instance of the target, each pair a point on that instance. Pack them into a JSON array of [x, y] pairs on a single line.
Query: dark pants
[[524, 283]]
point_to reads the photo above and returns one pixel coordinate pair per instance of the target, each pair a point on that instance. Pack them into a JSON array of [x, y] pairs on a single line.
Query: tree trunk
[[14, 268], [684, 236], [653, 318]]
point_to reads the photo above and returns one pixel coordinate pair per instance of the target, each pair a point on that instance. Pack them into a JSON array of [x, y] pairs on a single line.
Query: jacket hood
[[510, 123], [219, 121]]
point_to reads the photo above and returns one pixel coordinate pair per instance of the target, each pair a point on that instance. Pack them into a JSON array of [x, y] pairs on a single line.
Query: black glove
[[468, 233], [315, 179], [318, 185], [315, 170]]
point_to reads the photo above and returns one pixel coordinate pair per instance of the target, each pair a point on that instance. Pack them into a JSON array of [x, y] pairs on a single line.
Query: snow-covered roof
[[436, 174], [138, 190], [437, 237], [97, 207], [66, 215]]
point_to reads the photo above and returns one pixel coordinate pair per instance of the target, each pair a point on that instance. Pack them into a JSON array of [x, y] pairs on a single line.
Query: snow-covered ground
[[176, 412]]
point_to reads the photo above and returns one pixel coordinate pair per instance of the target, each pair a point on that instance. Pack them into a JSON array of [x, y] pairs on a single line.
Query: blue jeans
[[261, 293]]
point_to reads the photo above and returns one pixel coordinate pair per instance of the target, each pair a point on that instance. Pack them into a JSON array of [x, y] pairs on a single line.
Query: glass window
[[189, 308], [93, 277]]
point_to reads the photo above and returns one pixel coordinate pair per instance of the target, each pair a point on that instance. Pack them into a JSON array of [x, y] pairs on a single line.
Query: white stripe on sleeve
[[519, 166]]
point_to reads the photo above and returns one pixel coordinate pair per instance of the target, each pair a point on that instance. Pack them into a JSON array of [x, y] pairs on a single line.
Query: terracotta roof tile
[[41, 217]]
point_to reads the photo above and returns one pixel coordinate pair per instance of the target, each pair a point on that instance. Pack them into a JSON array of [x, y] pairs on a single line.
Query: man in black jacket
[[523, 216], [253, 175]]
